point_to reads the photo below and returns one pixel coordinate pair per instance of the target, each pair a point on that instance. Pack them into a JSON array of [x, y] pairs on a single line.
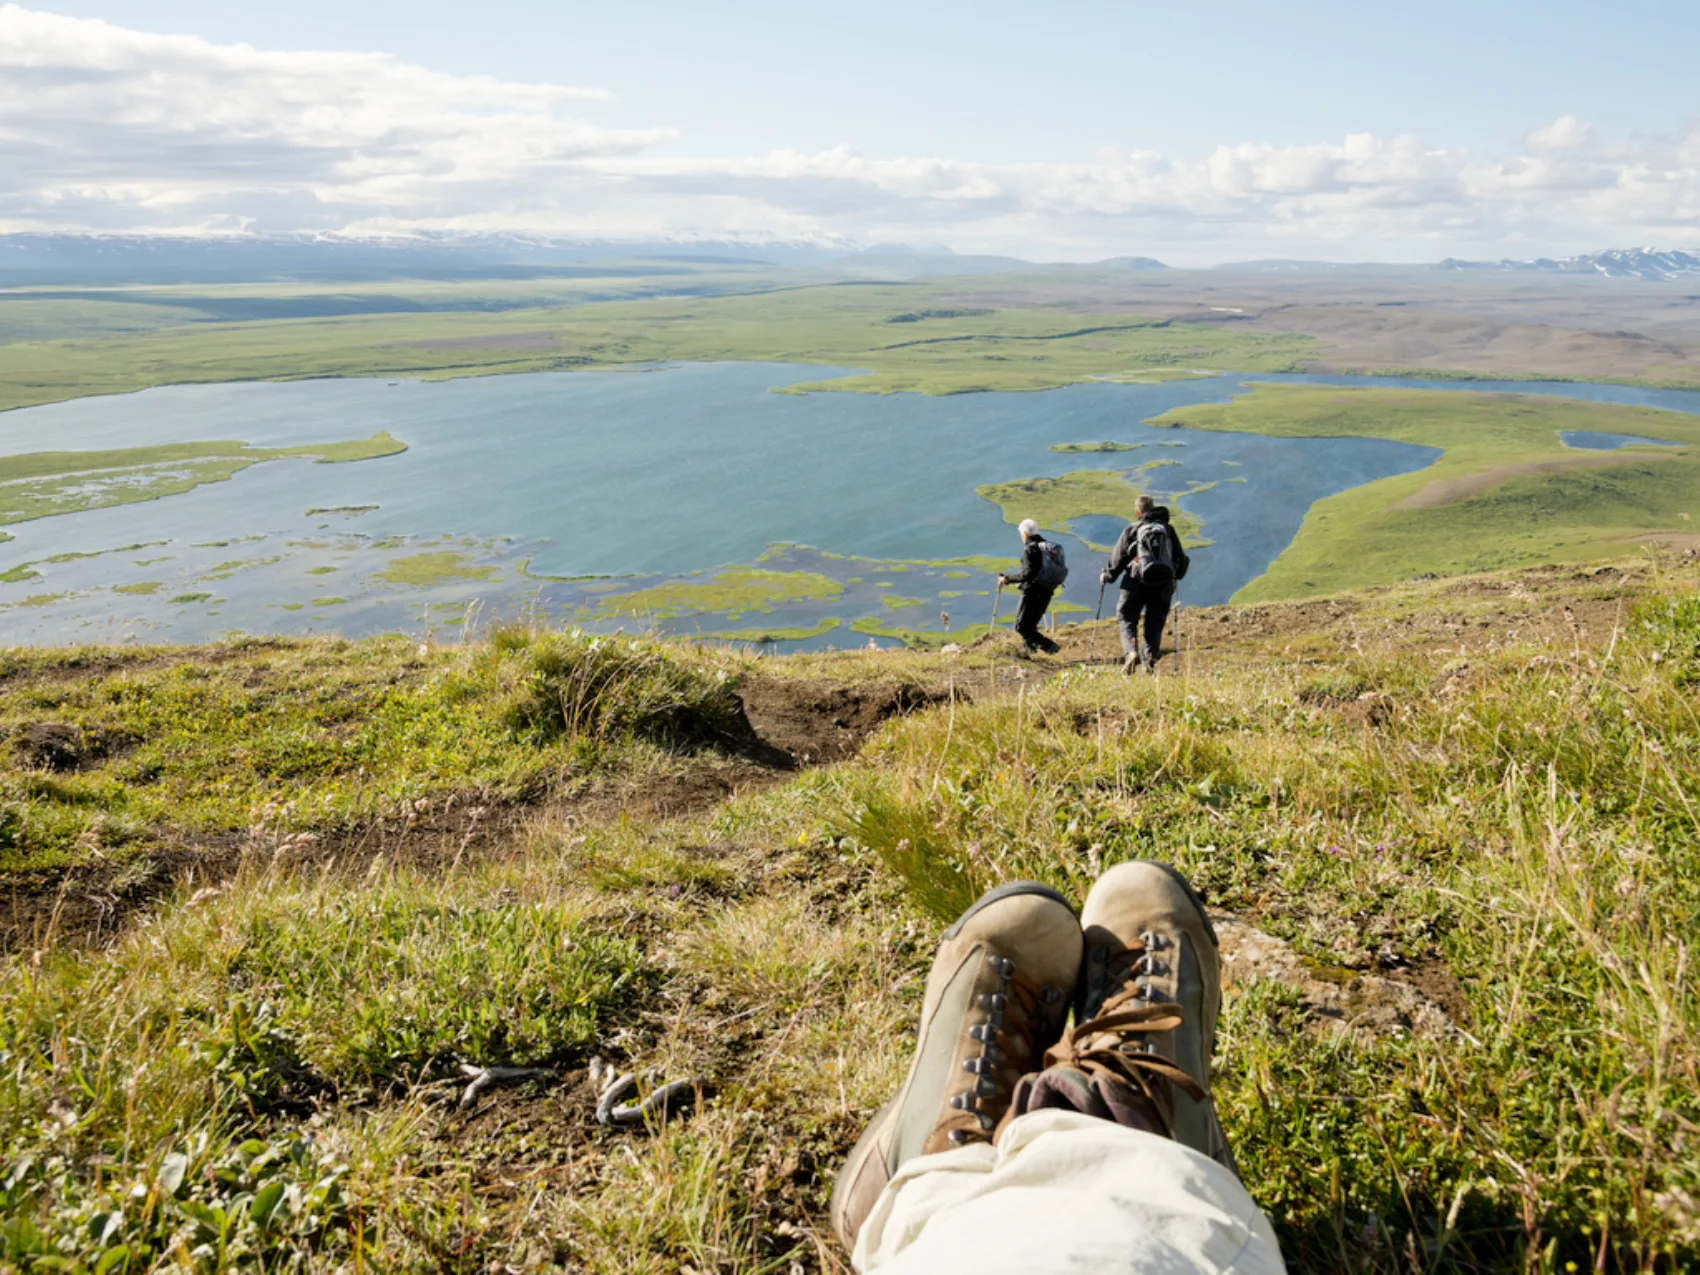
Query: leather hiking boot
[[996, 1000], [1150, 990]]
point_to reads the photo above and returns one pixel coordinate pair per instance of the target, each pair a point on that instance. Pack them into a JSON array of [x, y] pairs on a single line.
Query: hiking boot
[[1132, 664], [996, 1000], [1150, 990]]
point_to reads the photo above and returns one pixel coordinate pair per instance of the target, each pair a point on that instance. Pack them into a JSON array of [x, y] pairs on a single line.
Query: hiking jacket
[[1032, 563], [1124, 558]]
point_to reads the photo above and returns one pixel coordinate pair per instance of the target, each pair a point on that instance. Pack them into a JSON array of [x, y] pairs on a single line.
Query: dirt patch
[[1369, 1003], [812, 722], [62, 748], [493, 341], [1449, 491]]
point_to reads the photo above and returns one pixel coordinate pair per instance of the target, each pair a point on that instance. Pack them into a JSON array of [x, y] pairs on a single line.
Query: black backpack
[[1053, 569], [1156, 551]]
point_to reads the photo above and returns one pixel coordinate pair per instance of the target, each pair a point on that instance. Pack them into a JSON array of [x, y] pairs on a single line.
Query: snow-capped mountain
[[1615, 263]]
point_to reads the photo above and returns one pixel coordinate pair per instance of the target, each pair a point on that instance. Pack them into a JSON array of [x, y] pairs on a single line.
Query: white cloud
[[111, 129], [1563, 134]]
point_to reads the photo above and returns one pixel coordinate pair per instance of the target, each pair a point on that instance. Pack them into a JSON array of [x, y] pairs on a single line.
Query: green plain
[[840, 325]]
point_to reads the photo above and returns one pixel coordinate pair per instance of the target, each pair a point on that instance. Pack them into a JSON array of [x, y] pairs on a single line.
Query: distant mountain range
[[109, 260], [1615, 263], [120, 259]]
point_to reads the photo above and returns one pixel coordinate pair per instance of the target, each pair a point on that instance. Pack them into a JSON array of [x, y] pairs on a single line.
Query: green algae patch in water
[[1071, 449], [422, 570], [736, 591]]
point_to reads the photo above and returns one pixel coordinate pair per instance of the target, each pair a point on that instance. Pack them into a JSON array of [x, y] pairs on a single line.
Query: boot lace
[[1115, 1043], [1014, 1015]]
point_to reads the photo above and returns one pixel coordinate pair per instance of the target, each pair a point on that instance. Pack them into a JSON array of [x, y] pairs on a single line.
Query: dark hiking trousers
[[1035, 600], [1154, 600]]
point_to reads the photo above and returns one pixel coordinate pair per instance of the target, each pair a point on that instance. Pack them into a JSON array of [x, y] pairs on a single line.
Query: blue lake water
[[654, 473], [1594, 441]]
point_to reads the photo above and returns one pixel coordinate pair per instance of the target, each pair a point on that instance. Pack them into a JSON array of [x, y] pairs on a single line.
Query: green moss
[[1069, 449], [320, 571], [41, 599], [186, 599], [896, 603], [18, 574], [956, 575], [422, 570], [143, 587]]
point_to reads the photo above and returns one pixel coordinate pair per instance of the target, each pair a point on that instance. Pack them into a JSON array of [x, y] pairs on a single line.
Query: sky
[[1195, 132]]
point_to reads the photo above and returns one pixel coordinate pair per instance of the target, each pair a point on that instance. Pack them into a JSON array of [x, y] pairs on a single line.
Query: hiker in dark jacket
[[1037, 579], [1149, 560]]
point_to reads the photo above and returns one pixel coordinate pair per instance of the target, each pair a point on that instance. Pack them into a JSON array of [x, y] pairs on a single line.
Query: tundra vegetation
[[268, 897]]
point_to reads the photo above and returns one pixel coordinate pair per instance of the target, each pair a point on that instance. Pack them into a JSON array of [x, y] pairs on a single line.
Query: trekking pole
[[997, 601], [1098, 618]]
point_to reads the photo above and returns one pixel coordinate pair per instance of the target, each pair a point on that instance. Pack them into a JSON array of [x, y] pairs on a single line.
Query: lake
[[558, 493]]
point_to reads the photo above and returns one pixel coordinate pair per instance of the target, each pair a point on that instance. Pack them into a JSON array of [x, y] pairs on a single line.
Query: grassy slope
[[1357, 537], [1463, 777], [843, 325]]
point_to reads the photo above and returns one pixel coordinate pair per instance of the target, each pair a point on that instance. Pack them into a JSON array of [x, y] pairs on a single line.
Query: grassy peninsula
[[43, 484], [1505, 490]]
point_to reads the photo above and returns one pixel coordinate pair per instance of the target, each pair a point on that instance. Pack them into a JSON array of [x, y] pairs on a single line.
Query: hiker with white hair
[[1041, 574]]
